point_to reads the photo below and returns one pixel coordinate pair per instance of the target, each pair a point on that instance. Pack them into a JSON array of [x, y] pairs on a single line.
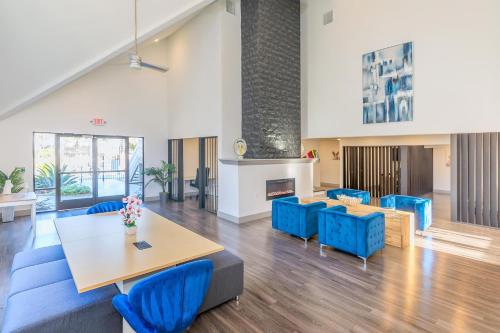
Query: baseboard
[[243, 219], [441, 192], [330, 185]]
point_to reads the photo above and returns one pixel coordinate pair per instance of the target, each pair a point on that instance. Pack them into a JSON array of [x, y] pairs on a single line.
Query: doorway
[[75, 170], [189, 156]]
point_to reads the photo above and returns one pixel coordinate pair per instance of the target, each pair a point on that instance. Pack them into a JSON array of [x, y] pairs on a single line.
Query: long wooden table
[[399, 225], [99, 253]]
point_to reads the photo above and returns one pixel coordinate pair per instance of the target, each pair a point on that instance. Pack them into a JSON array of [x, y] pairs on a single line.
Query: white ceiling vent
[[231, 7], [328, 17]]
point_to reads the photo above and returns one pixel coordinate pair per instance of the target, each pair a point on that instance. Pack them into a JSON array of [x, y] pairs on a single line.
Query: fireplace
[[280, 188]]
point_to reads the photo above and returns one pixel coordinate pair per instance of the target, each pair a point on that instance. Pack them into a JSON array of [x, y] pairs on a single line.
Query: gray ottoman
[[227, 279]]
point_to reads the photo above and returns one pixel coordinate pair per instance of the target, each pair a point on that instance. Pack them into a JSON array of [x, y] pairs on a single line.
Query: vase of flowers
[[131, 213]]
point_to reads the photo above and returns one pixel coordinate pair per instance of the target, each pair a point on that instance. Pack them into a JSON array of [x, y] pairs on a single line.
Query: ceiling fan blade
[[154, 67]]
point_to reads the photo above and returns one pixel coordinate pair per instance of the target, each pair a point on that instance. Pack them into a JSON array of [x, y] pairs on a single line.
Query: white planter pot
[[8, 214], [7, 188], [131, 230]]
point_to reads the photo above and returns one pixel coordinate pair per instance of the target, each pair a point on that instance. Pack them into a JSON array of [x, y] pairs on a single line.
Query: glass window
[[45, 171], [136, 166]]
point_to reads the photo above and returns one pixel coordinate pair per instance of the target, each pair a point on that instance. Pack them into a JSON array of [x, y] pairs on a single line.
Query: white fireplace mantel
[[261, 161], [242, 185]]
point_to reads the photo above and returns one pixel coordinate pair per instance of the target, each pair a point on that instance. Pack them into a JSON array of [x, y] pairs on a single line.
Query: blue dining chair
[[166, 302], [105, 207]]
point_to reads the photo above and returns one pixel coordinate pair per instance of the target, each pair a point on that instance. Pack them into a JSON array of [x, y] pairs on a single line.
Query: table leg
[[33, 218]]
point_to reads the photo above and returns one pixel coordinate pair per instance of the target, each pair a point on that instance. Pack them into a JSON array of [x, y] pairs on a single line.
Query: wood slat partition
[[374, 169], [175, 157], [475, 178]]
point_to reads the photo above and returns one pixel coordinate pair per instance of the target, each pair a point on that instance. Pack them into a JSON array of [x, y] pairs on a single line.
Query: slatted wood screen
[[209, 161], [474, 184], [374, 169], [175, 157]]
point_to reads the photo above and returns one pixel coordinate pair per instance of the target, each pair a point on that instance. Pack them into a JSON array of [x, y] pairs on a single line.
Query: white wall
[[133, 103], [326, 170], [204, 84], [456, 56], [442, 168], [310, 144], [191, 160], [194, 85], [330, 168], [245, 187]]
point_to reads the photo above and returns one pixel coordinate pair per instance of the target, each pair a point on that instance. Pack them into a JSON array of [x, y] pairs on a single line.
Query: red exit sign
[[98, 122]]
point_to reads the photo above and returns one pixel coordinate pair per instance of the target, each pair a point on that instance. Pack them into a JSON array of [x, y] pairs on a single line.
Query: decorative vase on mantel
[[130, 213]]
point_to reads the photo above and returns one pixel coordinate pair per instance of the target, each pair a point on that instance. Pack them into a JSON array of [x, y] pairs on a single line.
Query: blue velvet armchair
[[289, 216], [364, 195], [105, 207], [358, 235], [421, 207], [166, 302]]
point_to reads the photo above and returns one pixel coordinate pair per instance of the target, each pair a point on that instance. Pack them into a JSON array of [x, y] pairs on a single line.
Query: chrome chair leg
[[321, 253], [237, 299], [305, 242]]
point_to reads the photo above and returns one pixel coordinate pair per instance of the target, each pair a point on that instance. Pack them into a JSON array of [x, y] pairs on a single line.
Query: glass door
[[111, 168], [75, 171]]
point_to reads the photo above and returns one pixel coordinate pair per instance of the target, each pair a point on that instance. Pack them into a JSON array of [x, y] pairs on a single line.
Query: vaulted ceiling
[[47, 44]]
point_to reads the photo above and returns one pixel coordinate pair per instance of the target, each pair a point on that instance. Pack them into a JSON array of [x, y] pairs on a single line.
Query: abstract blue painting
[[388, 85]]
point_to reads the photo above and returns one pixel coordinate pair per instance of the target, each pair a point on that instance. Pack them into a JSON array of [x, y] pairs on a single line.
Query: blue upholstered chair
[[421, 207], [359, 235], [168, 301], [364, 195], [296, 219], [105, 207]]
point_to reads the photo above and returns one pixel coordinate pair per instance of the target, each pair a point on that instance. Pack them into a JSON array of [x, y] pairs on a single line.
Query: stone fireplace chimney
[[270, 38]]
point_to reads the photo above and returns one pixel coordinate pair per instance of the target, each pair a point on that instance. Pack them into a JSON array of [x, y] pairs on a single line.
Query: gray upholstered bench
[[227, 280], [43, 298]]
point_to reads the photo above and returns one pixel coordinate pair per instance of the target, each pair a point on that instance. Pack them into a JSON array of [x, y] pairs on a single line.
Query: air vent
[[231, 7], [328, 17]]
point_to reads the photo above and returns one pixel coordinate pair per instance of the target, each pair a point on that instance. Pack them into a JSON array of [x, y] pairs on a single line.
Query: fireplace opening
[[280, 188]]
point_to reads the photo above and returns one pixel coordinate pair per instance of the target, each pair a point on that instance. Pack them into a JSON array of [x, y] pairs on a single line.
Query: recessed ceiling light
[[156, 40]]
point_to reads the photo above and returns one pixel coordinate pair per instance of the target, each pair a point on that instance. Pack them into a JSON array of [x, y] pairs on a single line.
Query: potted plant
[[162, 176], [14, 183], [131, 213]]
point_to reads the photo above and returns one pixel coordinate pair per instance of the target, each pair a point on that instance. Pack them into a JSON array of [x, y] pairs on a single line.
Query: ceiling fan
[[134, 60]]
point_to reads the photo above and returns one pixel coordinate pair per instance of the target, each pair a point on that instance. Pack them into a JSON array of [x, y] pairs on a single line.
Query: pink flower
[[124, 200]]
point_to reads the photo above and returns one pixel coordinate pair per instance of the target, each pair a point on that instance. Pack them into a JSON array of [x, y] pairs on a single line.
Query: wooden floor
[[436, 286]]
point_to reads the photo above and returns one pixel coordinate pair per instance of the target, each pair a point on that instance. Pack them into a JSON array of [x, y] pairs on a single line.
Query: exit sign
[[98, 122]]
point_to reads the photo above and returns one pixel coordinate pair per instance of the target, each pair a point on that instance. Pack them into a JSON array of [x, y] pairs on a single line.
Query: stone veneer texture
[[270, 37]]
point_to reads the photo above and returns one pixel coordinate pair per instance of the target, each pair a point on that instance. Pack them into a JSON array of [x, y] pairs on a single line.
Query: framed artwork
[[388, 84]]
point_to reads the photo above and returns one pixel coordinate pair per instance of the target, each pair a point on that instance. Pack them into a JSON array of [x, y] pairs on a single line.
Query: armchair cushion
[[357, 235], [58, 307], [39, 275], [364, 195], [296, 219], [37, 256]]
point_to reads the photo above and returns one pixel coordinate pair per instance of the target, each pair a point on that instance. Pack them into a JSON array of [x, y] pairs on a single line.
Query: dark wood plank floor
[[289, 288]]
